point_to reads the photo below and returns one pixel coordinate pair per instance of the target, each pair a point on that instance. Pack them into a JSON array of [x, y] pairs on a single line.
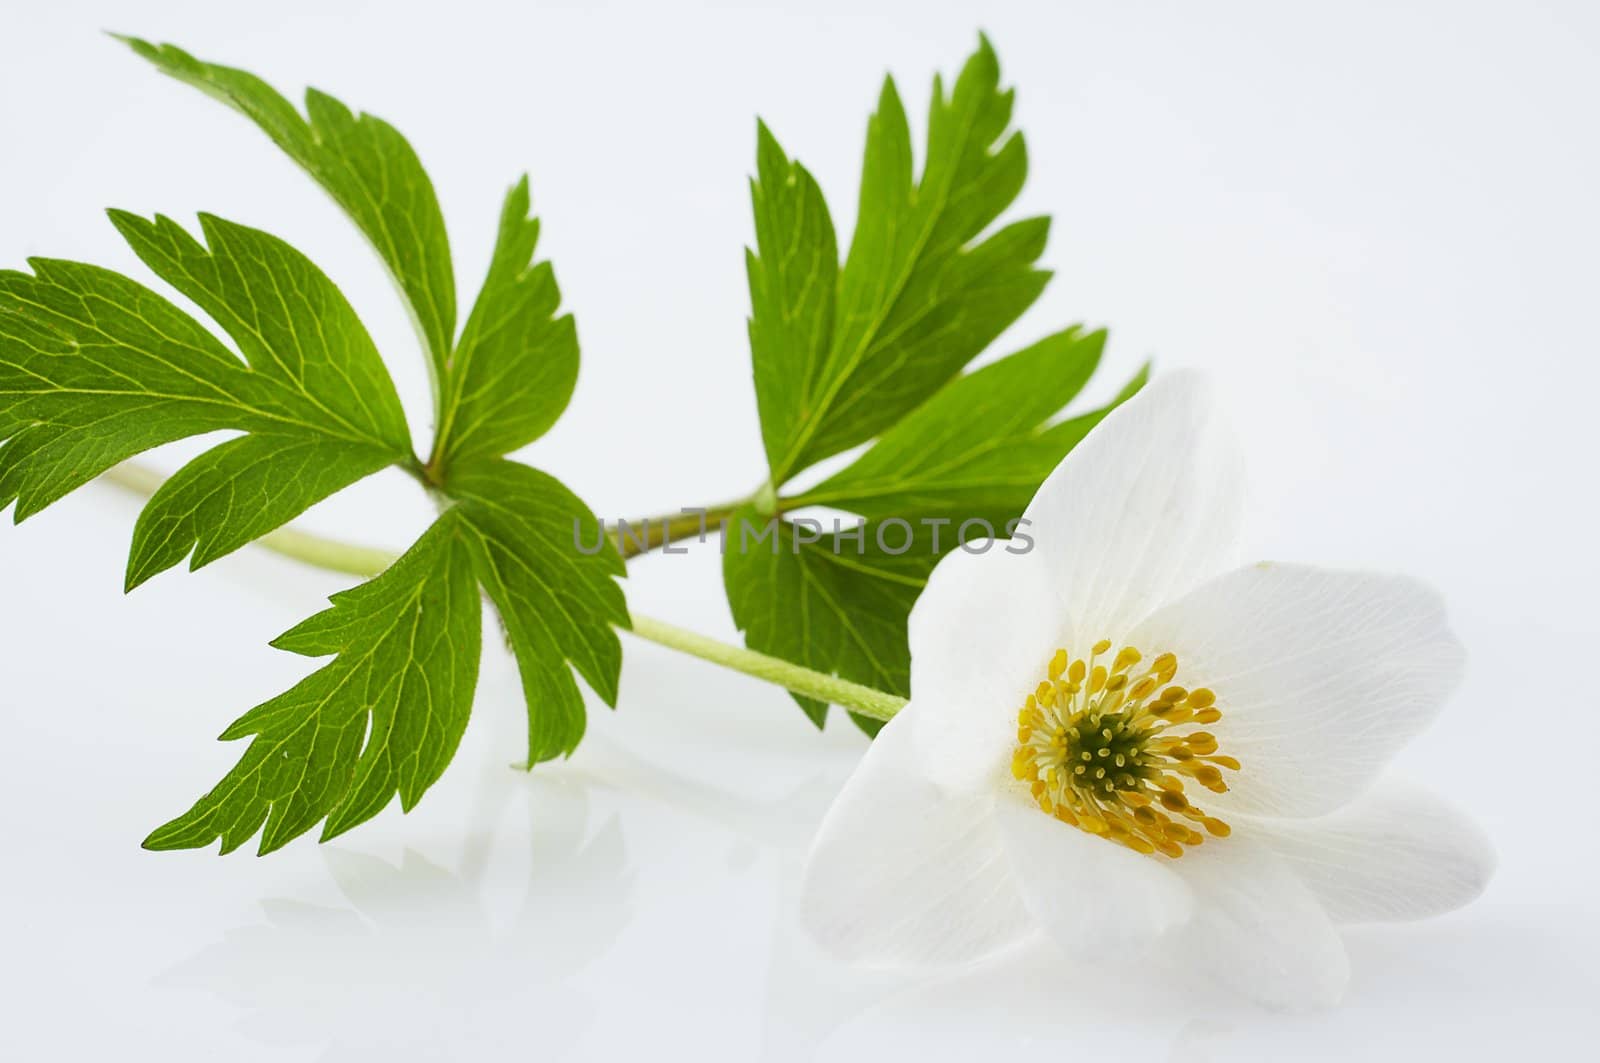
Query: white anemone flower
[[1123, 738]]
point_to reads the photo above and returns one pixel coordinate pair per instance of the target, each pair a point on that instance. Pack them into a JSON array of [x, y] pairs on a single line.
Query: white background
[[1376, 222]]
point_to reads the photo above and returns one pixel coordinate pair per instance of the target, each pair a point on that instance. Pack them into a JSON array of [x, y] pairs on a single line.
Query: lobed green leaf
[[962, 467], [515, 367], [873, 351], [290, 321], [382, 718], [95, 368], [239, 491], [793, 276], [549, 569], [917, 298], [364, 164], [968, 453]]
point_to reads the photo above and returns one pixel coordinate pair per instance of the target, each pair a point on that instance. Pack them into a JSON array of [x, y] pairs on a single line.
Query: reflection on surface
[[523, 935], [1409, 980], [416, 954], [784, 822]]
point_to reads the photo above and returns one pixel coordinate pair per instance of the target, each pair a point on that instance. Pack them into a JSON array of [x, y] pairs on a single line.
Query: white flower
[[1121, 737]]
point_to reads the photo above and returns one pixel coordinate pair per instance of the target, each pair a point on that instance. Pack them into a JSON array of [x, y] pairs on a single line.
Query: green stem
[[636, 537], [859, 699], [367, 561]]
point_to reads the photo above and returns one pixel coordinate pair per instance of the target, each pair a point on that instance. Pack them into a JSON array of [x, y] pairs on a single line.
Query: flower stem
[[336, 556], [857, 698]]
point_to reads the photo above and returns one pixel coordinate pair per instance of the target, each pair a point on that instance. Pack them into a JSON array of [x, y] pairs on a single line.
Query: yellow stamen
[[1101, 750], [1058, 664]]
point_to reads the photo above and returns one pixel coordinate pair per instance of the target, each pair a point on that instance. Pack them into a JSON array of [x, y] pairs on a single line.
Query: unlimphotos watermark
[[894, 536]]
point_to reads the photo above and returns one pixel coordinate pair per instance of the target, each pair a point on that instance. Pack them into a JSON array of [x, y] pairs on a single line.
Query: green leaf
[[288, 319], [517, 363], [922, 291], [501, 386], [874, 352], [545, 563], [1047, 448], [978, 449], [836, 602], [384, 717], [508, 381], [95, 368], [976, 452], [237, 492], [364, 164], [792, 282]]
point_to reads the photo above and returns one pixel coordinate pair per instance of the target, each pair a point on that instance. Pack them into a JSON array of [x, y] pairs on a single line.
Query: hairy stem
[[336, 556]]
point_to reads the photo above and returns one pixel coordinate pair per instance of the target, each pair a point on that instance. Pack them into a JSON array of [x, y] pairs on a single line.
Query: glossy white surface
[[1377, 223]]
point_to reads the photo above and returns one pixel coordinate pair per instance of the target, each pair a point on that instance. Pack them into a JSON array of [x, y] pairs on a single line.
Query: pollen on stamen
[[1111, 750]]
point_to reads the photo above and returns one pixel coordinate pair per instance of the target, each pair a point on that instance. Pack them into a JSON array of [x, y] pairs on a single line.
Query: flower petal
[[1321, 677], [1145, 508], [1095, 897], [1257, 929], [1394, 853], [902, 875], [981, 635]]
